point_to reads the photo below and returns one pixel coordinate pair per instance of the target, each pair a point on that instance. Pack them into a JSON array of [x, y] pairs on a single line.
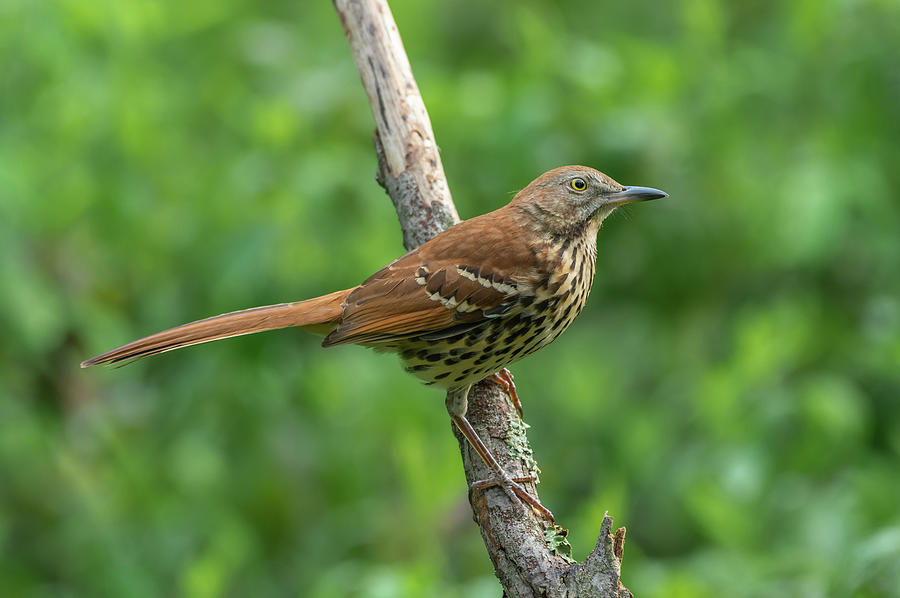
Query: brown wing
[[473, 271]]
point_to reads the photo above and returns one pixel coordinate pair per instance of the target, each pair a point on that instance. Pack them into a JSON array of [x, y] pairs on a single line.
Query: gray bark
[[410, 170]]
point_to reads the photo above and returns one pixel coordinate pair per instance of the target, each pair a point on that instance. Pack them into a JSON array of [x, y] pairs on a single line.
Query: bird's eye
[[578, 184]]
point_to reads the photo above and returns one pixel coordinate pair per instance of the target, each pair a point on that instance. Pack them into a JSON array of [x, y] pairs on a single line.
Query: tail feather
[[316, 315]]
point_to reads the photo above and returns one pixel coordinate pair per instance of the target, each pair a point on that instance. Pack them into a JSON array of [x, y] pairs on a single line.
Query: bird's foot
[[505, 379], [514, 491]]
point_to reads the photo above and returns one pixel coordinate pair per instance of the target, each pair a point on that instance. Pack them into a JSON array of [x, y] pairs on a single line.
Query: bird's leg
[[505, 379], [457, 405]]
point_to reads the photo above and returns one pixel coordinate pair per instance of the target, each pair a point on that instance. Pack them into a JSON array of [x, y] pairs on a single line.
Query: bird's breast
[[539, 313], [570, 266]]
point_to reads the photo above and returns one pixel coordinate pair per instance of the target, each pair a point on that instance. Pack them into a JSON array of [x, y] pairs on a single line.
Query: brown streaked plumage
[[472, 300]]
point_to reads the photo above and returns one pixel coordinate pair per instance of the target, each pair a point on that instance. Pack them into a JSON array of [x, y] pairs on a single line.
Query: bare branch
[[409, 168]]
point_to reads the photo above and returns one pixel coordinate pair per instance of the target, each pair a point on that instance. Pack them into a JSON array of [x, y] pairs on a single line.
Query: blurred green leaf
[[730, 392]]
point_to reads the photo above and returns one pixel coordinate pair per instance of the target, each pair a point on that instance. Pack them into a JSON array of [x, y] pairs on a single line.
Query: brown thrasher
[[472, 300]]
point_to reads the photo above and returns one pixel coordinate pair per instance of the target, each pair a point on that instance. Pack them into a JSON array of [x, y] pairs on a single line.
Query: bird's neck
[[543, 223], [573, 253]]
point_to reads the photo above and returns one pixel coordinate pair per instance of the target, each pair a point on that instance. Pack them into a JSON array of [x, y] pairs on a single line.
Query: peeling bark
[[409, 167]]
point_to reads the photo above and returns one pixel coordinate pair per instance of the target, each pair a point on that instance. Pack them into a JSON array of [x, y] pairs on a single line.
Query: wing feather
[[441, 288]]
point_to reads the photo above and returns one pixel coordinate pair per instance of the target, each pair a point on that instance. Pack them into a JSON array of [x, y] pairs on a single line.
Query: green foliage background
[[731, 393]]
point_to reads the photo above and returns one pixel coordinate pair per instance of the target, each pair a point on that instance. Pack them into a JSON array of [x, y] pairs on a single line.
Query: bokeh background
[[731, 393]]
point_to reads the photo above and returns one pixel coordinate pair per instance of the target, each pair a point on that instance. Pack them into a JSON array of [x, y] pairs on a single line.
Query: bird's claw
[[505, 379], [516, 493]]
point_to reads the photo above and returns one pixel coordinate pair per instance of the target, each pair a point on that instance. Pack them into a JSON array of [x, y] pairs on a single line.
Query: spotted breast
[[537, 309]]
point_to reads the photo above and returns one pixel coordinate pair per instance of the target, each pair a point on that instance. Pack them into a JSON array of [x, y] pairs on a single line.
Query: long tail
[[316, 315]]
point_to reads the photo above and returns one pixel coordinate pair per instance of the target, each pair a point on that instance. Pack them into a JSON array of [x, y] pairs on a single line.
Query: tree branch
[[409, 166], [528, 555]]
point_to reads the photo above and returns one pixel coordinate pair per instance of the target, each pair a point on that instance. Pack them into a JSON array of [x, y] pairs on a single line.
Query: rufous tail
[[318, 315]]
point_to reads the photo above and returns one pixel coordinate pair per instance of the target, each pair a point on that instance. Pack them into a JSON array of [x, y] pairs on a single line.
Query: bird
[[459, 308]]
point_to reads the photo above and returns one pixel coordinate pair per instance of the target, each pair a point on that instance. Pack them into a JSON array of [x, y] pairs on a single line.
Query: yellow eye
[[578, 184]]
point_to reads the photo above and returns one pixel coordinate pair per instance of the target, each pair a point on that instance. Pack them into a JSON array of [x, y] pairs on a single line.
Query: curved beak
[[635, 194]]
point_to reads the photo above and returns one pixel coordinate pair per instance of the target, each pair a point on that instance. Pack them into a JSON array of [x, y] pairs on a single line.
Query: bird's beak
[[634, 194]]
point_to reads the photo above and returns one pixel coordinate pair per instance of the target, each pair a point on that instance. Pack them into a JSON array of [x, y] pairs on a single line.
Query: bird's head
[[570, 198]]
